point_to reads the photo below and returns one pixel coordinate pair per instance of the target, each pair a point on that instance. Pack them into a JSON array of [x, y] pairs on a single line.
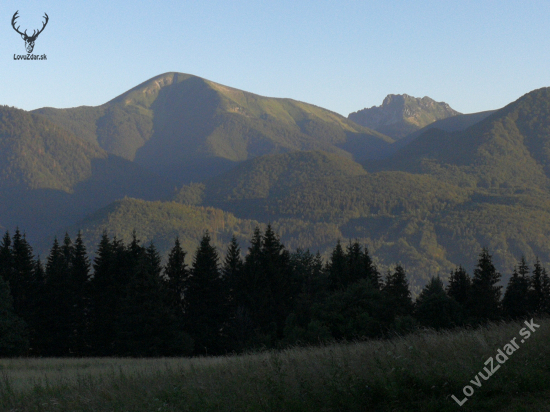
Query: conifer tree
[[13, 330], [6, 258], [515, 302], [434, 308], [22, 281], [396, 290], [536, 294], [371, 272], [80, 289], [280, 285], [233, 263], [26, 287], [545, 307], [484, 301], [176, 274], [232, 269], [147, 324], [337, 268], [238, 279], [355, 263], [58, 306], [459, 285], [105, 294], [204, 299]]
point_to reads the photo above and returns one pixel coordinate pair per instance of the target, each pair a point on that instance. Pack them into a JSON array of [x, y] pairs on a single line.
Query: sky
[[341, 55]]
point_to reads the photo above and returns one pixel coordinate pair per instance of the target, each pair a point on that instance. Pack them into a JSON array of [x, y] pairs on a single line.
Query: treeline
[[126, 303]]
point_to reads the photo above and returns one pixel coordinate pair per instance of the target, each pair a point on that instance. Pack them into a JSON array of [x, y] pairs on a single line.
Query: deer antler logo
[[29, 40]]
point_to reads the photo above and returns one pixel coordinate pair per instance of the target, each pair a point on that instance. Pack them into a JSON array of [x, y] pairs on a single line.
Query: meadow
[[420, 371]]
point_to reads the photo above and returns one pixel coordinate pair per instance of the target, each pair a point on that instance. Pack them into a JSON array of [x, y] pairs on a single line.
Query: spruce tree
[[435, 309], [545, 292], [104, 297], [398, 295], [21, 280], [147, 324], [355, 263], [371, 272], [58, 306], [204, 299], [6, 258], [484, 301], [80, 288], [232, 272], [337, 268], [176, 274], [26, 285], [536, 295], [13, 330], [515, 302], [459, 285], [249, 286]]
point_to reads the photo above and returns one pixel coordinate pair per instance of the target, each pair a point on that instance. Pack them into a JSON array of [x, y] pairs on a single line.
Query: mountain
[[187, 128], [49, 177], [159, 222], [462, 183], [315, 186], [401, 114], [450, 124], [428, 224], [508, 150]]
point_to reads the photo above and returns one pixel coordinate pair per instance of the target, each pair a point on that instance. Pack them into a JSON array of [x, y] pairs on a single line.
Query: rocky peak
[[401, 114]]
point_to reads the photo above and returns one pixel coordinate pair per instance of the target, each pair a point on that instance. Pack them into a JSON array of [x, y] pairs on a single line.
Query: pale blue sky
[[341, 55]]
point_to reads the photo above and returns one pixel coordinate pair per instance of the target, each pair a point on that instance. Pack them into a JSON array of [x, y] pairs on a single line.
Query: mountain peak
[[401, 114]]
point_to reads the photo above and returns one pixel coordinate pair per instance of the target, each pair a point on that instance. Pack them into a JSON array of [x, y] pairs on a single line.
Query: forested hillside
[[49, 178]]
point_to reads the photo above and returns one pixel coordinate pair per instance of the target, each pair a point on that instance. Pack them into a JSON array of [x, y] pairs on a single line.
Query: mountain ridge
[[177, 123]]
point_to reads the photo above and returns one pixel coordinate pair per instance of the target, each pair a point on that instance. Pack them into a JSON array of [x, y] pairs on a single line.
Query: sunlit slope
[[187, 127], [427, 223], [509, 150]]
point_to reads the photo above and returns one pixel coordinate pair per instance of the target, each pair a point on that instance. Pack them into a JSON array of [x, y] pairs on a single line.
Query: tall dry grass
[[412, 373]]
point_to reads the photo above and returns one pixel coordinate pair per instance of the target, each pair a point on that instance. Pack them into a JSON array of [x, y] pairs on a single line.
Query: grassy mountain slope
[[508, 150], [400, 115], [188, 128], [450, 124]]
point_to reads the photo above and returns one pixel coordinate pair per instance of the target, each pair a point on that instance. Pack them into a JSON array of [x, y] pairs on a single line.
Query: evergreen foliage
[[133, 306], [435, 309], [397, 293], [459, 286], [205, 308], [515, 303], [484, 299], [13, 330]]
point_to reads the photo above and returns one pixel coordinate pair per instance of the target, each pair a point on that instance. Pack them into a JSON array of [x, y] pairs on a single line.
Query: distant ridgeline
[[126, 303], [179, 154]]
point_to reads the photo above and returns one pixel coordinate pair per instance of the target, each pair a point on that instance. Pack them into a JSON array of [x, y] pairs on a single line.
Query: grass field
[[418, 372]]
